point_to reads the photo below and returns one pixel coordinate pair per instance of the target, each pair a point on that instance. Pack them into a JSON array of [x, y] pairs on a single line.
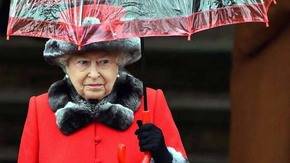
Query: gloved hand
[[151, 140]]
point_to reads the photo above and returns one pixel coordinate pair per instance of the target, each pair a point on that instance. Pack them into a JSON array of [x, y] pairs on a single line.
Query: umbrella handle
[[146, 119], [121, 153]]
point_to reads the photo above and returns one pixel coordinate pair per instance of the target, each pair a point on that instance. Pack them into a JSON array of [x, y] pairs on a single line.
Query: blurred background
[[194, 75]]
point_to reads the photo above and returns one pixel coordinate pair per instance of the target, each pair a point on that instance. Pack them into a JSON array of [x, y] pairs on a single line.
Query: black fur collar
[[115, 110]]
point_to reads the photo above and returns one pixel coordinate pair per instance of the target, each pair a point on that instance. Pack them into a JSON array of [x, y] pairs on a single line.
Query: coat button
[[98, 140]]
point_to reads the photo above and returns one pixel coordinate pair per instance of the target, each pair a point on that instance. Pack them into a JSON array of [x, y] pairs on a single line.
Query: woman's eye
[[82, 62], [104, 61]]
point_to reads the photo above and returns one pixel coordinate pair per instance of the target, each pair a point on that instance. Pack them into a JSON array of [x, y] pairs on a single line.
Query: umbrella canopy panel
[[85, 21]]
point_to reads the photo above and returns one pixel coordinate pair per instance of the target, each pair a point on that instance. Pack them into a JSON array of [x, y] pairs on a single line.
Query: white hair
[[62, 61]]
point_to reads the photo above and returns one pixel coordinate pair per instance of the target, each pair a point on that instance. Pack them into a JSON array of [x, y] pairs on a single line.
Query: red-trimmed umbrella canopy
[[86, 21]]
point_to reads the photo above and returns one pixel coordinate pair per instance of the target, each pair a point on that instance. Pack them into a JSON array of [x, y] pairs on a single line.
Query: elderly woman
[[85, 116]]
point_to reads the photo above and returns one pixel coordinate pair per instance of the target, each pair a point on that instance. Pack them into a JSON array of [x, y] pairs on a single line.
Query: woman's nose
[[94, 73]]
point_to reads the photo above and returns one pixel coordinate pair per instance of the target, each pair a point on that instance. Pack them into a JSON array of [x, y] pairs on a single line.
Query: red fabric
[[42, 142]]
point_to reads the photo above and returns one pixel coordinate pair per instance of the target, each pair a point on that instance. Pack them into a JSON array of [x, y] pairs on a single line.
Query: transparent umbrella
[[86, 21]]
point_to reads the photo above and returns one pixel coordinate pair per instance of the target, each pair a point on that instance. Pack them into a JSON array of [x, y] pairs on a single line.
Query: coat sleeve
[[162, 118], [28, 151]]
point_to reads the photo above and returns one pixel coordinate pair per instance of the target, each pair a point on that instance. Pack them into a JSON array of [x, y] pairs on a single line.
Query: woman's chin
[[94, 96]]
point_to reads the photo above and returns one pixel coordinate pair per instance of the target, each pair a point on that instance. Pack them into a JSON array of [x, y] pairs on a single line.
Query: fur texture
[[129, 48], [177, 156], [115, 110]]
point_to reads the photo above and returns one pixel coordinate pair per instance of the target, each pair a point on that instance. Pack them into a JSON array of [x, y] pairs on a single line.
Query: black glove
[[151, 139]]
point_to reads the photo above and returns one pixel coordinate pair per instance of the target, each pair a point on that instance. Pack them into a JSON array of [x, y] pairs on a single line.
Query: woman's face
[[93, 74]]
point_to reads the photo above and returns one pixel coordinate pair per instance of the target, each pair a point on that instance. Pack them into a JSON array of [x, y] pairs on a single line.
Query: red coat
[[42, 141]]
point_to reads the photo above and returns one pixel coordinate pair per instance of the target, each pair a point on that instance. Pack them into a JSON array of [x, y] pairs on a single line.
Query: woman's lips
[[94, 86]]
